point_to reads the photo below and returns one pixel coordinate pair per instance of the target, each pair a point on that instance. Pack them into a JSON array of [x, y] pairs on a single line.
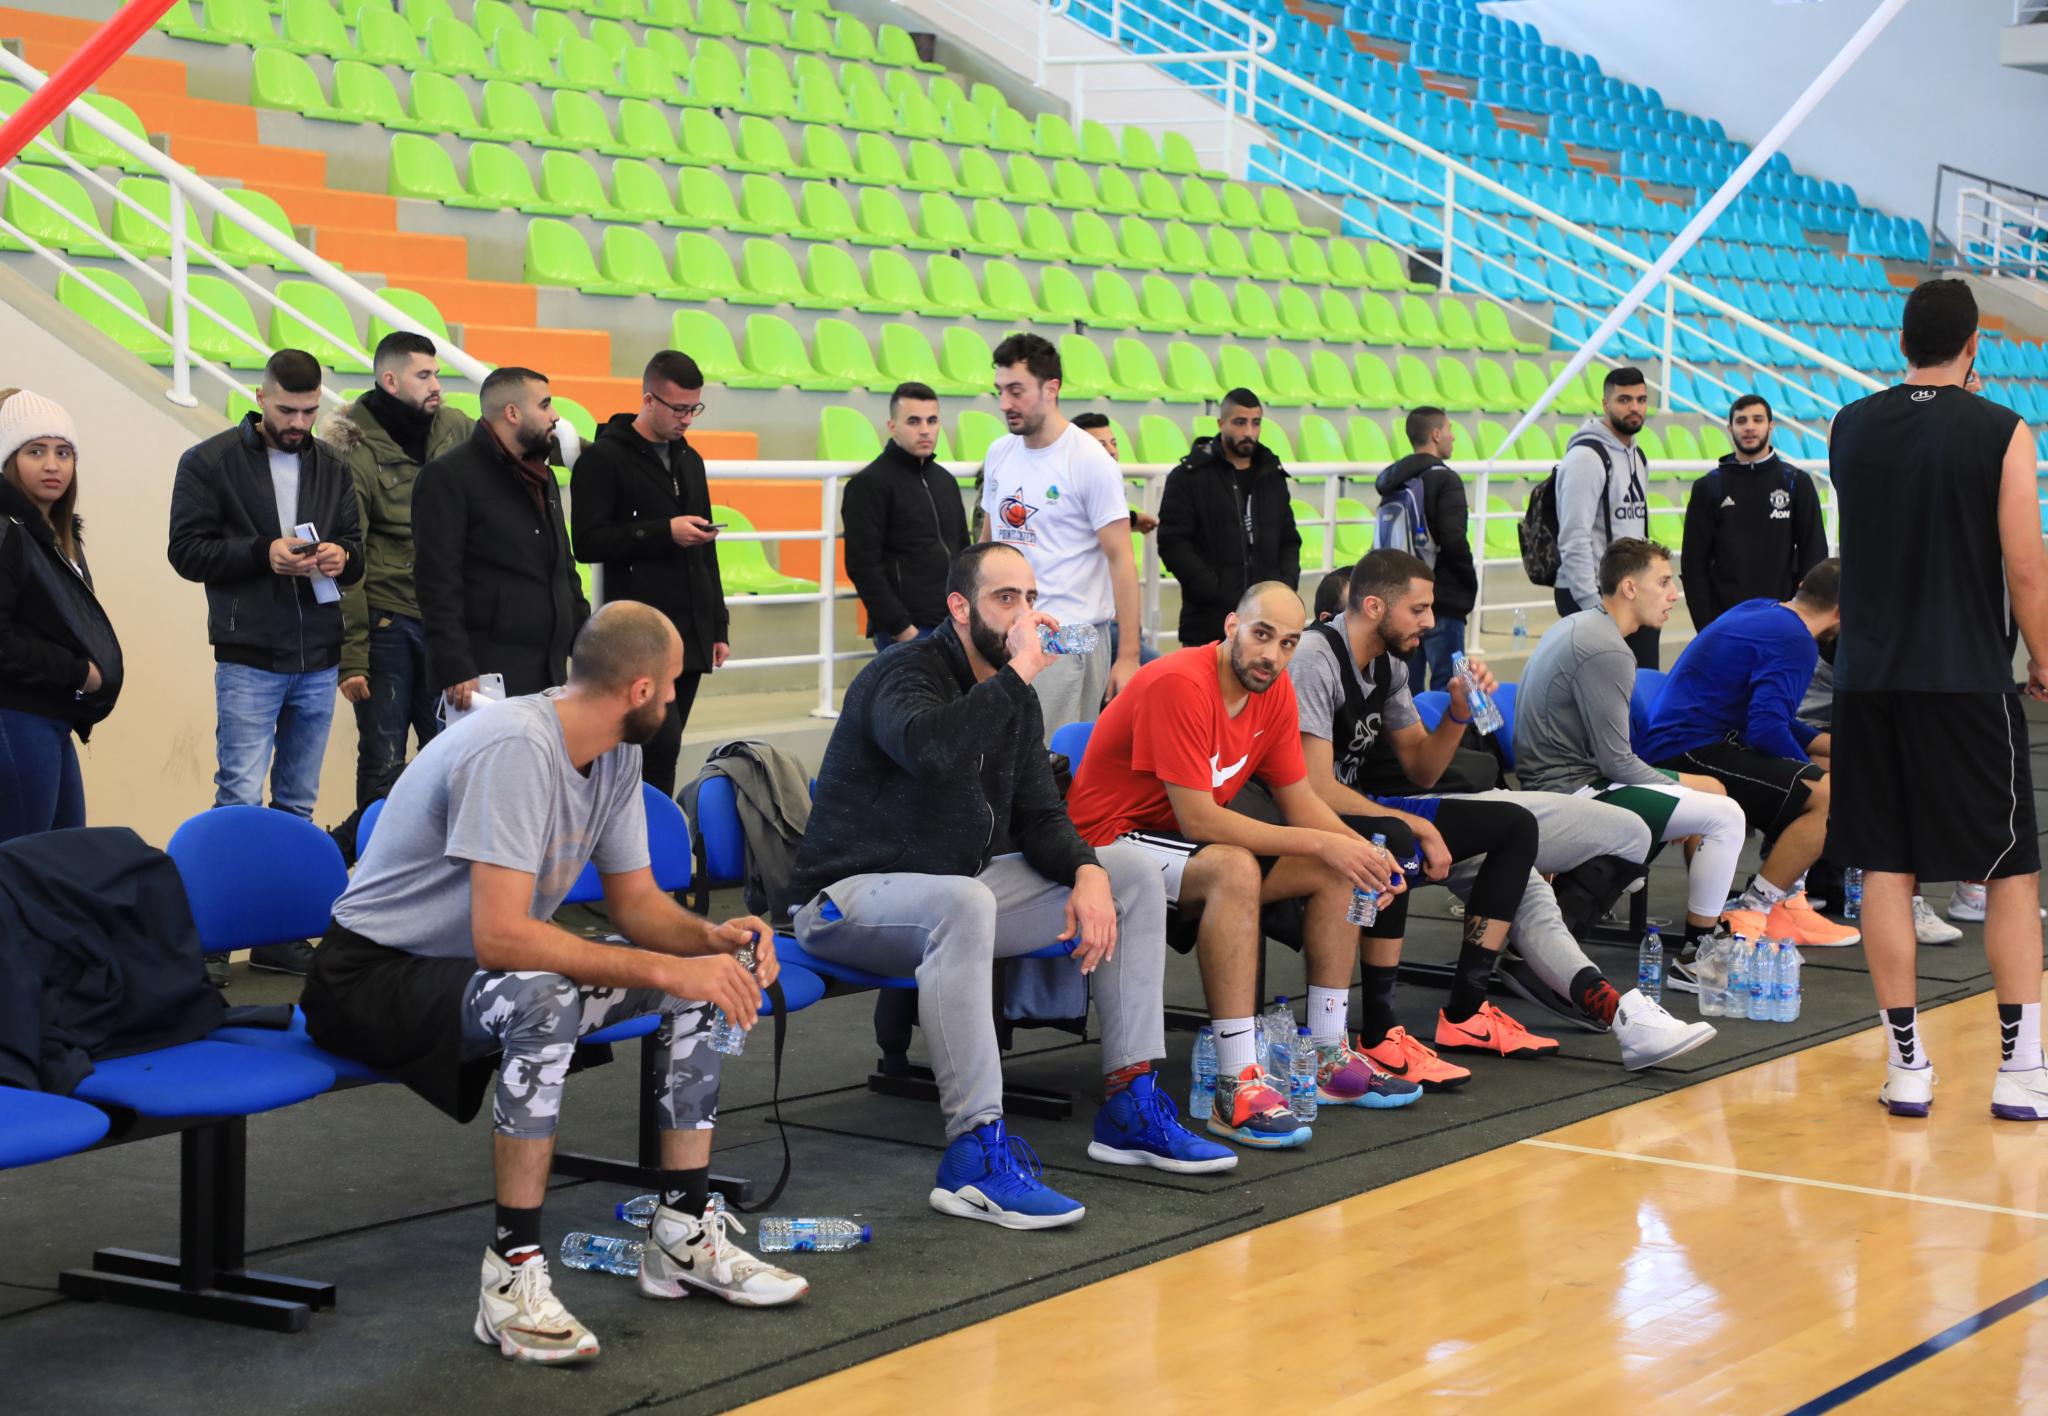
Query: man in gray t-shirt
[[443, 968]]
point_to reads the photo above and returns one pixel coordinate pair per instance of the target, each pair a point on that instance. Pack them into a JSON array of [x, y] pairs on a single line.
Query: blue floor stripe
[[1914, 1356]]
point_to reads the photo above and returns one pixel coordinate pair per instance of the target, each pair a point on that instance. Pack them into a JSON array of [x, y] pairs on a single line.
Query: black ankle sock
[[1694, 933], [685, 1191], [517, 1229], [1475, 971], [1376, 1005]]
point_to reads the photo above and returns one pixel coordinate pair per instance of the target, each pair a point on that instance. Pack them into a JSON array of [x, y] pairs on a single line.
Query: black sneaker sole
[[1524, 984]]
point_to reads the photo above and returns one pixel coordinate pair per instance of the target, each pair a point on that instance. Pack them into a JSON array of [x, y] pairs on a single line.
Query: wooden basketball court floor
[[1771, 1241]]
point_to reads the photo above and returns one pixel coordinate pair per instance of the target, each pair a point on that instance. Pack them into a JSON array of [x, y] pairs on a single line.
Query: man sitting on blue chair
[[938, 844], [441, 966]]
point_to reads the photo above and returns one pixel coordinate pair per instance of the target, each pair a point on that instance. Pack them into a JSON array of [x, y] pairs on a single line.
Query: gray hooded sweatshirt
[[1582, 535]]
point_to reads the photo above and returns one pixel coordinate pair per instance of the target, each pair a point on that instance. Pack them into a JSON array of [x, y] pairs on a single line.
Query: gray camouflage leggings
[[534, 1019]]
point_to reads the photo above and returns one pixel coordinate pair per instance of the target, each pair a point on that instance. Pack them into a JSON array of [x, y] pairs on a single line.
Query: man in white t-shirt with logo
[[1053, 492]]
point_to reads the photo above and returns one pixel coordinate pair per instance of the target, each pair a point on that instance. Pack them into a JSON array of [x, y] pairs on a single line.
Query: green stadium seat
[[974, 432], [1116, 194], [1135, 370], [1160, 440], [1419, 327], [1454, 320], [579, 63], [232, 338], [1347, 263], [993, 232], [868, 109], [1305, 255], [1190, 377], [1353, 532], [423, 311], [1331, 381], [1116, 303], [304, 305], [818, 99], [1053, 137], [1534, 445], [716, 78], [907, 357], [1298, 316], [421, 14], [1286, 383], [1240, 207], [1094, 243], [1383, 268], [883, 221], [1162, 309], [1320, 440], [1496, 391], [640, 192], [227, 22], [628, 257], [1198, 199], [1652, 444], [580, 125], [768, 275], [931, 170], [762, 148], [743, 567], [1026, 180], [765, 207], [1177, 156], [809, 33], [852, 40], [556, 254], [1376, 315], [703, 269], [1454, 382], [716, 17], [1064, 298], [893, 284], [1252, 308], [879, 164], [1366, 441], [1209, 310], [237, 246], [941, 224], [1375, 381], [440, 105], [704, 201], [833, 278], [1492, 437], [1186, 254], [773, 355], [1045, 239], [1530, 382], [112, 305], [1098, 144], [826, 154], [1501, 541], [1157, 197], [489, 18], [1238, 367], [893, 45], [1072, 187], [950, 290], [826, 214], [1227, 255], [1007, 293], [1340, 318], [453, 48], [917, 117], [569, 182], [979, 175], [1137, 150], [644, 129], [1315, 538], [844, 435], [1681, 446], [1714, 444], [498, 180], [364, 94], [1417, 386], [150, 238], [769, 90], [964, 125], [1085, 372], [518, 56], [763, 24], [965, 358], [1496, 334], [278, 79], [841, 356], [1267, 255], [1139, 242], [65, 220]]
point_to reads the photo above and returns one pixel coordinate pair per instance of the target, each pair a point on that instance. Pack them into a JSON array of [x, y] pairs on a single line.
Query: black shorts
[[1771, 791], [1936, 785]]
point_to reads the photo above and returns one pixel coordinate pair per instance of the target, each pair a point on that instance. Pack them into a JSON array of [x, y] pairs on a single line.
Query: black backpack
[[1538, 530]]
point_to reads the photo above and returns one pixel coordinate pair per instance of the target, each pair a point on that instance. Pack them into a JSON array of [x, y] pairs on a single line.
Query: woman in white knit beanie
[[60, 663]]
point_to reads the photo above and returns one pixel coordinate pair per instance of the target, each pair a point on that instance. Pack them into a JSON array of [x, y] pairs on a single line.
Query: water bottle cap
[[867, 1234], [1652, 929], [1301, 1032]]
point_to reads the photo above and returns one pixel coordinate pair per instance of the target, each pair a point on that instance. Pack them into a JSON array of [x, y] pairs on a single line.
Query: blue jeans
[[400, 698], [258, 713], [1146, 653], [40, 789], [1443, 639]]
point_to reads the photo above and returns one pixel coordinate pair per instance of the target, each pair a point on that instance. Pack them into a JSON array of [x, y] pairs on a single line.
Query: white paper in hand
[[324, 588], [490, 689]]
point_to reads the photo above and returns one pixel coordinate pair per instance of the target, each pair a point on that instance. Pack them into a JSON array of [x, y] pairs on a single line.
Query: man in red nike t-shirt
[[1165, 760]]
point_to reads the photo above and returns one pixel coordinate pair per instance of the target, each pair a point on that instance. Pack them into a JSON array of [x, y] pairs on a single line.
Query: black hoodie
[[1752, 531], [904, 523], [1443, 504], [1205, 544], [624, 498]]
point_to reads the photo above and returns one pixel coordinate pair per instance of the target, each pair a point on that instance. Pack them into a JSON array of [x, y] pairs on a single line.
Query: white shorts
[[1169, 852]]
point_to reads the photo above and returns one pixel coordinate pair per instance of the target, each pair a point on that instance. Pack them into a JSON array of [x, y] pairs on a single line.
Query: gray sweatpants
[[950, 929], [1572, 831], [1070, 688], [535, 1018]]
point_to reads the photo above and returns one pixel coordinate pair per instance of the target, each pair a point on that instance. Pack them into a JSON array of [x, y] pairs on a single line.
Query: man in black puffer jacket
[[938, 844], [1226, 522], [904, 523]]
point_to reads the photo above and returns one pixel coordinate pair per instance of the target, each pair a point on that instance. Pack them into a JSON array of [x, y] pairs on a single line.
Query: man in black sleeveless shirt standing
[[1942, 566]]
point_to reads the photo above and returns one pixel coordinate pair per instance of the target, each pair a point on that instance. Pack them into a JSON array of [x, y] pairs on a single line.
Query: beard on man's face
[[644, 722], [1254, 677], [533, 438], [994, 648]]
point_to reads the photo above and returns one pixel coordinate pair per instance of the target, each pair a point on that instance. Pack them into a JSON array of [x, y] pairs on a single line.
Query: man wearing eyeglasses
[[642, 507]]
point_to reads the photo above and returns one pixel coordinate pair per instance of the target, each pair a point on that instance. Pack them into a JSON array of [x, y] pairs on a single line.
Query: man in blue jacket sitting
[[1730, 711], [939, 844]]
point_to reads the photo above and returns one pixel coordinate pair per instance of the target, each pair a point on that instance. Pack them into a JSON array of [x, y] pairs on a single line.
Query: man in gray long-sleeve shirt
[[1572, 730], [1602, 497]]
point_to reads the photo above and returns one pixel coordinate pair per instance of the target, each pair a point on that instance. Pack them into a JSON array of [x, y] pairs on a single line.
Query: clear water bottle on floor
[[1791, 989], [1521, 631], [1069, 639], [638, 1211], [1763, 969], [1301, 1080], [1710, 970], [1736, 1003], [604, 1253], [1202, 1096], [1486, 715], [812, 1236], [1852, 892], [727, 1036], [1650, 965], [1276, 1040]]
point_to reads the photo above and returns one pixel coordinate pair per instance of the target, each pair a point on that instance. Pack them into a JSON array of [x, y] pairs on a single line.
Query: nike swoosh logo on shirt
[[1219, 774]]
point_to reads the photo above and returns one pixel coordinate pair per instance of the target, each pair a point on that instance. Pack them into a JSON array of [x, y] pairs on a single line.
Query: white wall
[[1930, 90]]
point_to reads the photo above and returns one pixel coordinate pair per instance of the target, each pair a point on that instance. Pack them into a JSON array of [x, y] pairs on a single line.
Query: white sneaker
[[1649, 1035], [518, 1314], [2021, 1096], [684, 1251], [1966, 903], [1931, 928], [1907, 1091]]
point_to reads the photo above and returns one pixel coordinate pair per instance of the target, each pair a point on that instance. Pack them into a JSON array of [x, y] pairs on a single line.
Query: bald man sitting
[[1165, 760], [442, 967]]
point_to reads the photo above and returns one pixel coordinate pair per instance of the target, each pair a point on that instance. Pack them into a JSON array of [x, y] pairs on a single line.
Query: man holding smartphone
[[643, 509]]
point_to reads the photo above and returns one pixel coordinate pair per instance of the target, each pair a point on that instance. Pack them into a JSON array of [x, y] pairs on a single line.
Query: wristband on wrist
[[1461, 722]]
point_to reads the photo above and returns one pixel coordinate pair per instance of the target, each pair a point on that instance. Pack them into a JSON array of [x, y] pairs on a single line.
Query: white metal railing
[[191, 192], [1997, 235], [1322, 484], [1229, 47]]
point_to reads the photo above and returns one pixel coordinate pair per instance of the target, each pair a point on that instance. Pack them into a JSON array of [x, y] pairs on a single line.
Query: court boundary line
[[1913, 1356], [1837, 1185]]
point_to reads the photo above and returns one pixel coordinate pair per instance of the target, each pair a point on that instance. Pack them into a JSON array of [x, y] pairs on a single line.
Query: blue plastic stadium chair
[[1504, 699], [1071, 740], [1431, 707], [38, 1126], [1641, 703]]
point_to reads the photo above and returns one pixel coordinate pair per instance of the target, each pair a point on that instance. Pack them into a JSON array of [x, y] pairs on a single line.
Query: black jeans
[[658, 758], [1643, 642], [401, 697]]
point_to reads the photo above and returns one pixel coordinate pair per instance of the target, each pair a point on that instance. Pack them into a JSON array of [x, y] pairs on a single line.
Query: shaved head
[[1261, 635], [1274, 602], [624, 641]]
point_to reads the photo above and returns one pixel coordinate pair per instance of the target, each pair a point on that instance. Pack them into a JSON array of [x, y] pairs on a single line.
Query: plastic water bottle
[[1069, 639], [1301, 1079], [638, 1211], [1763, 965], [1202, 1097], [726, 1035], [1650, 966], [1852, 892], [812, 1236], [1736, 1003], [1521, 631], [1485, 715], [1791, 991], [1276, 1040], [1365, 907], [602, 1252], [1709, 967]]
